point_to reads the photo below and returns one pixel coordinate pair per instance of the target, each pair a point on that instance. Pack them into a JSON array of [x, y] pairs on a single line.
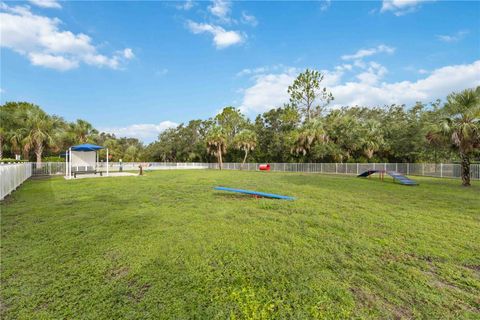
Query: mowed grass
[[167, 246]]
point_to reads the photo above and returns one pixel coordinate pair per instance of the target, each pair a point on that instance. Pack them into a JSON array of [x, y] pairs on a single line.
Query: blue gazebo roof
[[86, 147]]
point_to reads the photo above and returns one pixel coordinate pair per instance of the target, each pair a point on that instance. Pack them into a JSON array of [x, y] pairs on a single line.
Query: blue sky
[[136, 68]]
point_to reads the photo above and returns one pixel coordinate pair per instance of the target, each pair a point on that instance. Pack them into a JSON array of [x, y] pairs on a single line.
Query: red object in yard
[[264, 167]]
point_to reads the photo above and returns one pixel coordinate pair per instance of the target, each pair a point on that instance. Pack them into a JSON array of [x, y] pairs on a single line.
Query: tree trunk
[[465, 169], [245, 158], [1, 147], [38, 153], [26, 155], [219, 154]]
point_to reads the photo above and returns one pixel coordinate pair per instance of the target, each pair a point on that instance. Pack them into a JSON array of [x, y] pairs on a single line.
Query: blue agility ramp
[[401, 178], [255, 193], [395, 175]]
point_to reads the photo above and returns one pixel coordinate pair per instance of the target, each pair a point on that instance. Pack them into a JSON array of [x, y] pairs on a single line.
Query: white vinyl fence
[[58, 168], [12, 176], [441, 170]]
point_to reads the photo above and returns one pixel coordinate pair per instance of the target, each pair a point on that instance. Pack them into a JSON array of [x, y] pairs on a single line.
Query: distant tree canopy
[[27, 130], [301, 131]]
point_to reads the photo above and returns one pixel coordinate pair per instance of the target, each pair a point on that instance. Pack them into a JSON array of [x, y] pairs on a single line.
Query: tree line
[[303, 130], [29, 132]]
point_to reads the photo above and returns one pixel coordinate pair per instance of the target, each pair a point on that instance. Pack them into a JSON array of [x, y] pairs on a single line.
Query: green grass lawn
[[167, 246]]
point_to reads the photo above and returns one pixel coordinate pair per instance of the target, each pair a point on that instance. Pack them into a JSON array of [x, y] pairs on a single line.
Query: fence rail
[[58, 168], [440, 170], [12, 176]]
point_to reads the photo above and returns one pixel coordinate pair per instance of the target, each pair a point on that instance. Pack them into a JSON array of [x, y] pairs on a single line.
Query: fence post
[[423, 169], [408, 168], [441, 170], [336, 168], [384, 166], [357, 168], [396, 167]]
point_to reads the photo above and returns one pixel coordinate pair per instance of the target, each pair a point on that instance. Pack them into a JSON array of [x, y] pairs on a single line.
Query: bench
[[87, 172]]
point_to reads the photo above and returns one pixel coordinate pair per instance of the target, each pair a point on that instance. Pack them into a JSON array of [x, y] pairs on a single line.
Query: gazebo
[[83, 159]]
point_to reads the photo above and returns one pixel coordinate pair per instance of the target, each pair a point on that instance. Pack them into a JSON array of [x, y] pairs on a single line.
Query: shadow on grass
[[40, 185], [327, 181]]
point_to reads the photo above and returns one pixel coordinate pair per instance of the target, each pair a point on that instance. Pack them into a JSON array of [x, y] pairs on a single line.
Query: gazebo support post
[[66, 164], [70, 163], [107, 162]]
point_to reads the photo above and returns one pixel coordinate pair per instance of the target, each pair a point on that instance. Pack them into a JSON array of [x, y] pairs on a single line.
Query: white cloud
[[325, 4], [248, 71], [373, 73], [221, 9], [453, 37], [401, 7], [252, 72], [46, 3], [128, 53], [187, 5], [145, 132], [270, 90], [221, 37], [51, 61], [249, 19], [362, 53], [438, 84], [422, 71], [44, 44]]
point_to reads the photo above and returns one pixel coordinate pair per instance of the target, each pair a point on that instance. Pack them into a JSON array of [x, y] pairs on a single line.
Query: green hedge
[[9, 160], [53, 159]]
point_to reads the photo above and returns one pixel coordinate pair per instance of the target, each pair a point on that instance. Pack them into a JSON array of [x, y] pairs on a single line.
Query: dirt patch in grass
[[117, 273], [474, 267], [364, 298], [137, 291], [371, 301]]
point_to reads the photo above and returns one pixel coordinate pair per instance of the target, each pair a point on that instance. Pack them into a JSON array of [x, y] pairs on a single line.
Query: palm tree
[[246, 141], [13, 117], [16, 137], [81, 130], [372, 138], [4, 120], [344, 131], [2, 137], [305, 138], [462, 126], [41, 130], [217, 143]]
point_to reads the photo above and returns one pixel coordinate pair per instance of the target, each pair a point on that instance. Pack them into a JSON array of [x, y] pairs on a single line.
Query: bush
[[10, 160], [53, 159]]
